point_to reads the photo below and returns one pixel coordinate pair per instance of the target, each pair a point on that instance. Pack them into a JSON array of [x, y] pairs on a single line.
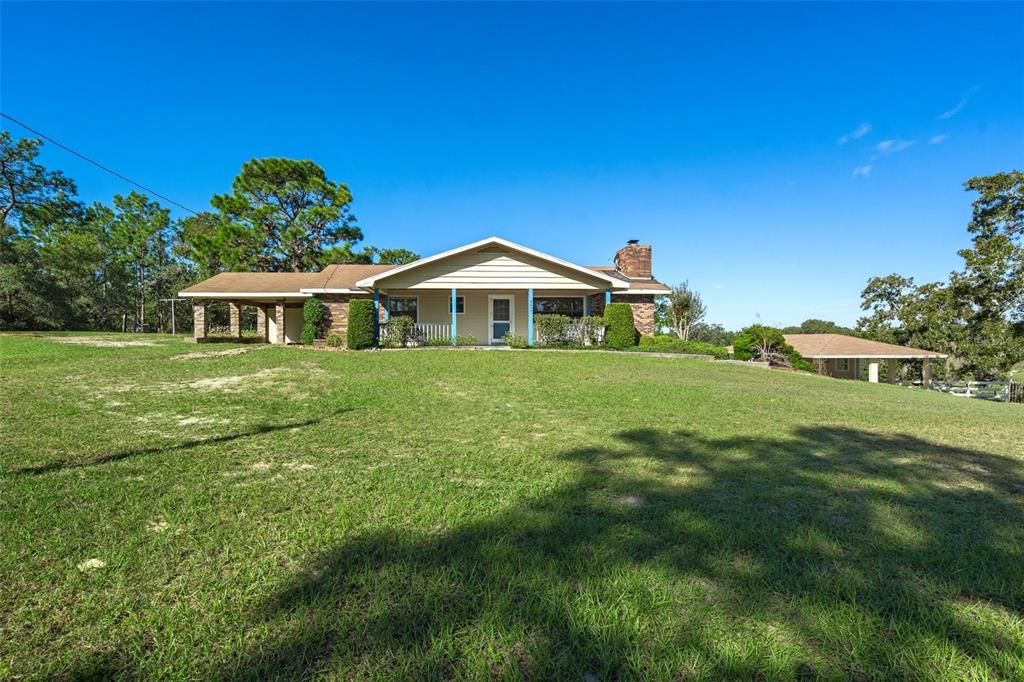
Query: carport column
[[261, 321], [234, 319], [455, 319], [873, 372], [278, 323], [199, 319], [607, 297], [893, 370], [586, 305], [529, 316], [926, 373]]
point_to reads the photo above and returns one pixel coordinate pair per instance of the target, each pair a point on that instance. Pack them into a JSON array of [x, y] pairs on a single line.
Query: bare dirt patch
[[100, 342], [213, 354]]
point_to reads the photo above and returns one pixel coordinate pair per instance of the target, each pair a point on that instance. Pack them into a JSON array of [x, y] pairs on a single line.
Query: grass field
[[283, 512]]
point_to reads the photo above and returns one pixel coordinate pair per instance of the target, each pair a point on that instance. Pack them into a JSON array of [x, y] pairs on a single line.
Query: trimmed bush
[[621, 333], [314, 314], [767, 344], [467, 340], [552, 330], [335, 340], [399, 331], [671, 344], [361, 323], [513, 341]]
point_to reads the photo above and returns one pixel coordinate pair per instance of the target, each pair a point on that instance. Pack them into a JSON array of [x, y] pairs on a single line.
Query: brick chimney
[[634, 260]]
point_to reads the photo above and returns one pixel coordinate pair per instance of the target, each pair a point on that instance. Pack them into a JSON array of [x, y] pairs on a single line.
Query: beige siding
[[433, 307], [832, 368], [492, 270]]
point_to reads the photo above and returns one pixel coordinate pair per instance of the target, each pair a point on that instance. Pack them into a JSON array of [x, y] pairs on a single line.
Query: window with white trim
[[460, 305], [404, 307]]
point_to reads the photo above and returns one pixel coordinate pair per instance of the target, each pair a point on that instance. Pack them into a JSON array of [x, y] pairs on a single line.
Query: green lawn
[[436, 514]]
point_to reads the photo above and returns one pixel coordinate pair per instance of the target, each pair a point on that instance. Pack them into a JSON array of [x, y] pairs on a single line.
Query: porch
[[483, 316]]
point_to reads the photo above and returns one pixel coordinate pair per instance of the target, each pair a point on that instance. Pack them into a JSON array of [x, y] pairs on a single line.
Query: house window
[[404, 307], [460, 305], [559, 305], [843, 364]]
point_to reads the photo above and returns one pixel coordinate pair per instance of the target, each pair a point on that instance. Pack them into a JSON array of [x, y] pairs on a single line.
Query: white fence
[[1006, 391]]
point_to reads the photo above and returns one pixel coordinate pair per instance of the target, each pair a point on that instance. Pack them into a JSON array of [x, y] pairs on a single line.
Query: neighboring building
[[484, 289], [838, 355]]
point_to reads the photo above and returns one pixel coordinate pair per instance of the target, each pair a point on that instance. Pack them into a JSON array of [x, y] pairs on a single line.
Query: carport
[[839, 355]]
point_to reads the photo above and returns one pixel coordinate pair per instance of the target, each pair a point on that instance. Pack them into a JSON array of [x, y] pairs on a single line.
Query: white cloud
[[938, 139], [864, 170], [887, 147], [855, 134], [961, 104]]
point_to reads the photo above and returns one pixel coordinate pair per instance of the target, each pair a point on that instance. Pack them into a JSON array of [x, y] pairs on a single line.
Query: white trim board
[[372, 280], [238, 294]]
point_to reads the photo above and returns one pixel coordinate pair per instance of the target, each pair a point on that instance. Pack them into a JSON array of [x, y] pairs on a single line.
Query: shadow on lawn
[[61, 464], [844, 545], [848, 554]]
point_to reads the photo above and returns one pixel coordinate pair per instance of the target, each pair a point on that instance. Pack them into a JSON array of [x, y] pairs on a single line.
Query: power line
[[98, 165]]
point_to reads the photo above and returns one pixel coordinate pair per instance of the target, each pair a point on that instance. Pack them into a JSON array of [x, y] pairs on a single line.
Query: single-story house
[[839, 355], [486, 289]]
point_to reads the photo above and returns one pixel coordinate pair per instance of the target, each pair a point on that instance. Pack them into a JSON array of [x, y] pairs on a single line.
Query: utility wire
[[98, 165]]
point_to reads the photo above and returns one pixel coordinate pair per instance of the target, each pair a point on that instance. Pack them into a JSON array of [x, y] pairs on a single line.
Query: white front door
[[502, 317]]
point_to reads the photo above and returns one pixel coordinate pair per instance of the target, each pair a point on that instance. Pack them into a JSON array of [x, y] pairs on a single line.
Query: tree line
[[68, 265]]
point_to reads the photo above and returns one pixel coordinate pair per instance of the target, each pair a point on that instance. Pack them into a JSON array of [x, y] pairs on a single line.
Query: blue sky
[[775, 155]]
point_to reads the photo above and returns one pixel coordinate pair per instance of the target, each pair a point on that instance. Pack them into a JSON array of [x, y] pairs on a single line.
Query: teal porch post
[[586, 305], [376, 316], [455, 320], [607, 296], [529, 316]]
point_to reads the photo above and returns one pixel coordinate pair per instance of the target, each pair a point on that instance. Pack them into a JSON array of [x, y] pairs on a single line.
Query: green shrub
[[768, 344], [399, 331], [314, 314], [361, 323], [671, 344], [335, 340], [552, 330], [621, 333], [467, 340], [439, 342], [513, 341]]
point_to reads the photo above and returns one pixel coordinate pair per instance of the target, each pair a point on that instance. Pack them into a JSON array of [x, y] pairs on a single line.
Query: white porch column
[[926, 373], [873, 372], [892, 369]]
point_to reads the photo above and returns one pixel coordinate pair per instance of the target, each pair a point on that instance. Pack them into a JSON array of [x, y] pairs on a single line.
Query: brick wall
[[642, 305], [634, 260], [337, 312]]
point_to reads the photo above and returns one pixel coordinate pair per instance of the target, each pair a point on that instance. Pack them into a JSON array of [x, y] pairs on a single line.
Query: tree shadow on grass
[[63, 464], [835, 553]]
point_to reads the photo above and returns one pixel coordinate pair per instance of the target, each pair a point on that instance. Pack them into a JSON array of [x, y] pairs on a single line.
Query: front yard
[[182, 511]]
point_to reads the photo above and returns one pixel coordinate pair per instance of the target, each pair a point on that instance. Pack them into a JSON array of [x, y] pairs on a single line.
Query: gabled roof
[[372, 280], [825, 346]]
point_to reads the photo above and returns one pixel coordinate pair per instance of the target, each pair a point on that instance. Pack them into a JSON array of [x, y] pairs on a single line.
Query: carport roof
[[825, 346]]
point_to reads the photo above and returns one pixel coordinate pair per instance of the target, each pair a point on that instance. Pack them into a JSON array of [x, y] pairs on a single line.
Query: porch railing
[[423, 332]]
